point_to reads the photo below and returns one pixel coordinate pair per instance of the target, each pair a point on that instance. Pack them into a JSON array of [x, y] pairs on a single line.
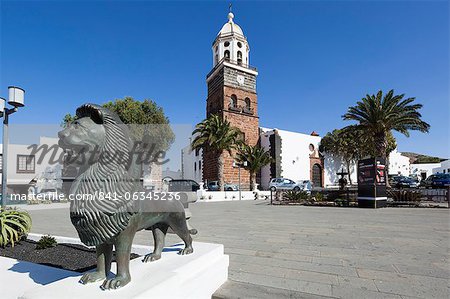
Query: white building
[[38, 170], [422, 171], [398, 164], [295, 156], [444, 167], [172, 174], [191, 164]]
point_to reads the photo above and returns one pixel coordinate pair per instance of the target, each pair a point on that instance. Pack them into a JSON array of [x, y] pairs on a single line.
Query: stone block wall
[[220, 90]]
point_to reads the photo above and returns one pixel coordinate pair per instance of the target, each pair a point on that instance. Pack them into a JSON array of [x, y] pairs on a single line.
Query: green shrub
[[46, 242], [318, 196], [341, 202], [404, 195], [14, 226], [293, 195], [32, 201]]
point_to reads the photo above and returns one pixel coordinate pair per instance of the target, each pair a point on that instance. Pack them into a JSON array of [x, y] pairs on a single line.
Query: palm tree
[[378, 116], [216, 134], [256, 157]]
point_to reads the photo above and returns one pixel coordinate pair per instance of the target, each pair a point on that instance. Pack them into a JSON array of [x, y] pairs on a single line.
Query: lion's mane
[[97, 220]]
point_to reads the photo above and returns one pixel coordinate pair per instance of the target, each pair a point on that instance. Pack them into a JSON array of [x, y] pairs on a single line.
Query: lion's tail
[[193, 231]]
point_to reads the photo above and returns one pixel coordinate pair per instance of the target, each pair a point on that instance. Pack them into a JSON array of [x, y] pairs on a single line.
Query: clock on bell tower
[[232, 95]]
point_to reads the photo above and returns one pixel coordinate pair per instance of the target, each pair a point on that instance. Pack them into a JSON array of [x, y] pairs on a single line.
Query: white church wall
[[295, 151], [334, 165], [398, 164]]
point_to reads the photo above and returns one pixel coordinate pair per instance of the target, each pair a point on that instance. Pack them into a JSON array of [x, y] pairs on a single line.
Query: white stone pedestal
[[197, 275]]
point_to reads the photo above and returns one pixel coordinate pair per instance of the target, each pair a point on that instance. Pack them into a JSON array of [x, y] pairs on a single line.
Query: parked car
[[440, 180], [284, 184], [437, 180], [403, 182], [427, 182], [214, 186], [188, 194], [183, 186]]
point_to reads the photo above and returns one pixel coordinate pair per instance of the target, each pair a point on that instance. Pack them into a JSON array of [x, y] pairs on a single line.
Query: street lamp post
[[239, 165], [15, 99]]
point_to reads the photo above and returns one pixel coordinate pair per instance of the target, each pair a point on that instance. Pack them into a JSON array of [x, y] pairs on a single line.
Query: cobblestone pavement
[[314, 252]]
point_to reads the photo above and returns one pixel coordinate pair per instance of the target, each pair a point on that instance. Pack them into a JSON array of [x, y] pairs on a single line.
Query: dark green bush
[[46, 242], [318, 196], [341, 202], [296, 196], [404, 196]]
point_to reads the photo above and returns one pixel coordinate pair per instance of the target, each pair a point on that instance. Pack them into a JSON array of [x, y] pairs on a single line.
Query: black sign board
[[372, 182]]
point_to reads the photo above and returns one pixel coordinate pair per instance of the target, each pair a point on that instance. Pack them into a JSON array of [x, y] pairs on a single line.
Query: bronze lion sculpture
[[101, 144]]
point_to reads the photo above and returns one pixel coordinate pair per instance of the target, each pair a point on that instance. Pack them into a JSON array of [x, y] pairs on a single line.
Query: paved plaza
[[314, 252]]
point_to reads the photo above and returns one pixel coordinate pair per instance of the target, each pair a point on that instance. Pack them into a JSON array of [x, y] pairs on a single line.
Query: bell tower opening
[[231, 44]]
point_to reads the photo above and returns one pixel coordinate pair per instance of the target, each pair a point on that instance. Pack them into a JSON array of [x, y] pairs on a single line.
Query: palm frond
[[377, 115]]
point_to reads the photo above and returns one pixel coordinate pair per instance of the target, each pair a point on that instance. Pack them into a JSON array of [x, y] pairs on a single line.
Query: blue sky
[[315, 58]]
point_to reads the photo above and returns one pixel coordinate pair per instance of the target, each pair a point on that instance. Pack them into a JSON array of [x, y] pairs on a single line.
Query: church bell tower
[[232, 95]]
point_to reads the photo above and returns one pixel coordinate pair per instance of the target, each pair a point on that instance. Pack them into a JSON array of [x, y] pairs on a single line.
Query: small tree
[[256, 158], [216, 134], [351, 144], [149, 127], [345, 144], [146, 120]]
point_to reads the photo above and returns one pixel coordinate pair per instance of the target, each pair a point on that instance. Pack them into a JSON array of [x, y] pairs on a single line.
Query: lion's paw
[[187, 250], [92, 277], [115, 283], [151, 257]]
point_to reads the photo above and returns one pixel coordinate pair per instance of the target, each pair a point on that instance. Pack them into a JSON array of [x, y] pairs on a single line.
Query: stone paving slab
[[314, 252], [233, 290], [315, 288]]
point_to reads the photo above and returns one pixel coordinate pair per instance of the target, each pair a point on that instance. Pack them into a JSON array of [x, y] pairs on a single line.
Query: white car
[[287, 184], [284, 184]]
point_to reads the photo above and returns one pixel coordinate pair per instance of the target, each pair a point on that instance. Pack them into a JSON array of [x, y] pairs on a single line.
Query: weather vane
[[230, 6]]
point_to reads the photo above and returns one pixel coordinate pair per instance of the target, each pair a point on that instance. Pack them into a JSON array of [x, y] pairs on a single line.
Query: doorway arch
[[317, 175]]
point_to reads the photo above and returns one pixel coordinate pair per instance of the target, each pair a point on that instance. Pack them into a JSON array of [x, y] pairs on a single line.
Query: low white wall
[[212, 196]]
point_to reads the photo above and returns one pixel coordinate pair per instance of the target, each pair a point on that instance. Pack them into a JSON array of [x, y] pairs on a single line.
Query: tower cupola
[[231, 44]]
